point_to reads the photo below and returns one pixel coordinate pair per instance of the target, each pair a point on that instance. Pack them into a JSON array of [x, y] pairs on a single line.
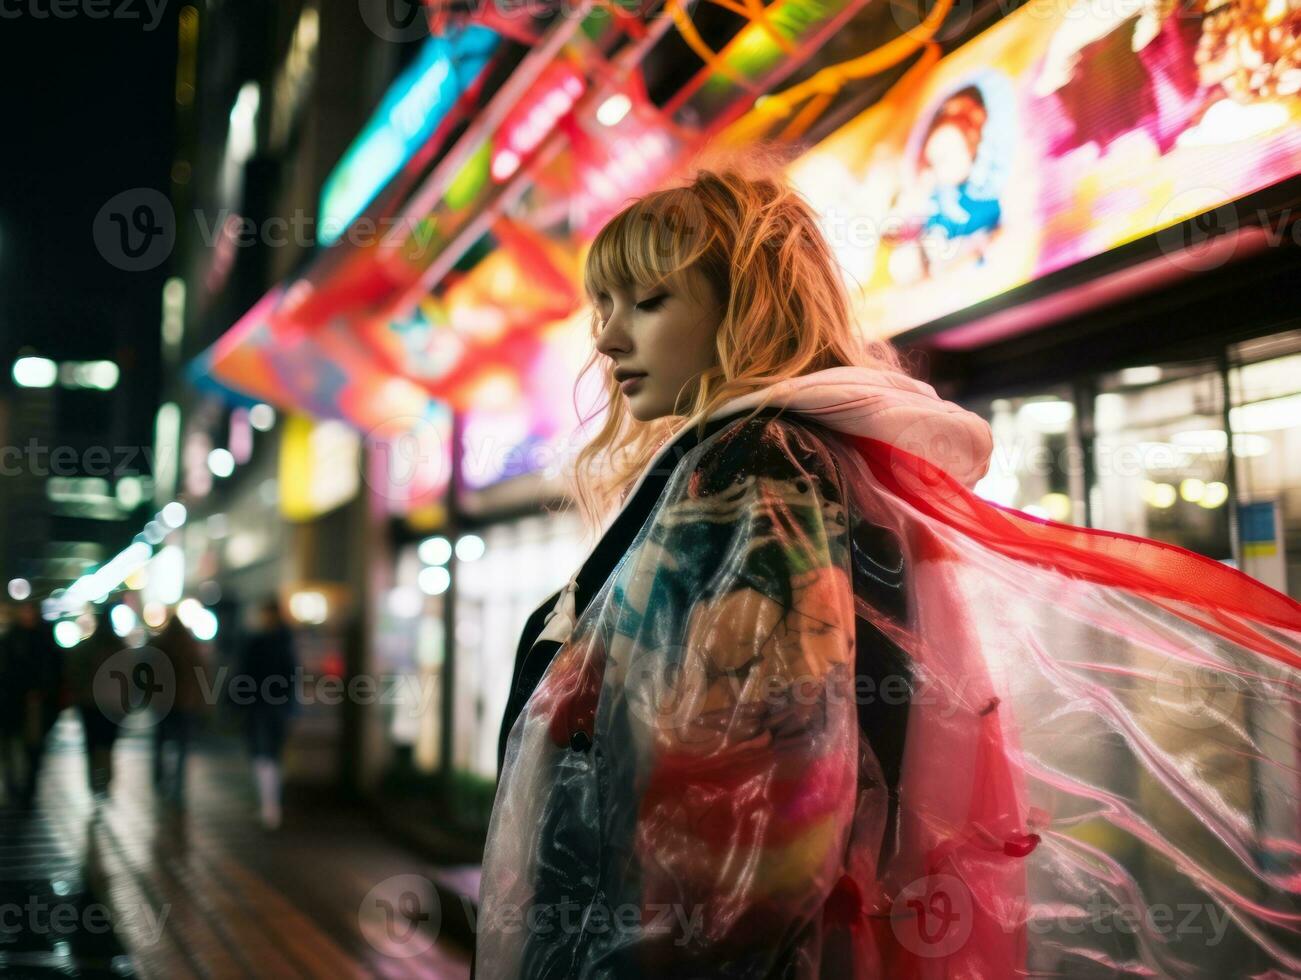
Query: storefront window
[[410, 639], [1036, 462], [1265, 421], [522, 563], [1160, 457]]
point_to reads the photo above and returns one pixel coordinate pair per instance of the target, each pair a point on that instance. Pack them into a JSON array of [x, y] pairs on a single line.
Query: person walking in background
[[268, 660], [176, 728], [33, 680], [11, 716], [100, 728]]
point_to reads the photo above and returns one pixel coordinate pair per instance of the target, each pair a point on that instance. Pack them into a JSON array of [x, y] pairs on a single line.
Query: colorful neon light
[[409, 114]]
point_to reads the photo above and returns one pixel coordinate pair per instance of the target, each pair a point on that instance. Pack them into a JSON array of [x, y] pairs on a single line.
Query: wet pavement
[[135, 887]]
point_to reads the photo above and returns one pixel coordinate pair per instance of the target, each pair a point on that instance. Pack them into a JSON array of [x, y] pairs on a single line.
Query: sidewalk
[[132, 887]]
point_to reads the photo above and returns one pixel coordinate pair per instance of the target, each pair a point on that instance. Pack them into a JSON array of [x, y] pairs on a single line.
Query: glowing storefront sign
[[534, 119], [320, 467], [409, 114], [1056, 135]]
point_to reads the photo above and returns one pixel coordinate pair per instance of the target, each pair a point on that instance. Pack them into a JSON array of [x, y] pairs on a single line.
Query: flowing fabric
[[833, 715]]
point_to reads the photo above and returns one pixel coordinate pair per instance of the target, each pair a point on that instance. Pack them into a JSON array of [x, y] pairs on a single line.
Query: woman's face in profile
[[664, 334]]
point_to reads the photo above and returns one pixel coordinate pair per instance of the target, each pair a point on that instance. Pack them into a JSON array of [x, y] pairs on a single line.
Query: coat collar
[[875, 403], [620, 532]]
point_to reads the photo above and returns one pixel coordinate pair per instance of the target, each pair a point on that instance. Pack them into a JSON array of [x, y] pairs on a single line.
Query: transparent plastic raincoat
[[832, 715]]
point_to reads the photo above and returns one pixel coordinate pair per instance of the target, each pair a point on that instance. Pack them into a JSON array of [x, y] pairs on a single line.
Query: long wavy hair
[[786, 311]]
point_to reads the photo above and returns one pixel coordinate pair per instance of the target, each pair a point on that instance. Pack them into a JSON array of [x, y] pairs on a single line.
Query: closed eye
[[652, 302]]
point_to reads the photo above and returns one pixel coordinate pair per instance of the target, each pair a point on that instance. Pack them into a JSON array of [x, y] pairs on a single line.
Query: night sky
[[88, 113]]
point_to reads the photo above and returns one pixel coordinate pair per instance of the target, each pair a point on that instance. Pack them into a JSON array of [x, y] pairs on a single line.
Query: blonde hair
[[786, 311]]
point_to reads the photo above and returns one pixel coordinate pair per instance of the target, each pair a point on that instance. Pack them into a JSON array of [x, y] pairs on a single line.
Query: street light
[[35, 372]]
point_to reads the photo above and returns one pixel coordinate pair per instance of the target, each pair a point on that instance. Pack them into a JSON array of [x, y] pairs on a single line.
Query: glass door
[[1265, 426], [1160, 456], [1036, 464]]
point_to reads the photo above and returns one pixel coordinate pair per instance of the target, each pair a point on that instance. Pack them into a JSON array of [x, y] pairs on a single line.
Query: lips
[[631, 383]]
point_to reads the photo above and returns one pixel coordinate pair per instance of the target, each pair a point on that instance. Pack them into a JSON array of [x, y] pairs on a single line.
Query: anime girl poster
[[1056, 135], [960, 160]]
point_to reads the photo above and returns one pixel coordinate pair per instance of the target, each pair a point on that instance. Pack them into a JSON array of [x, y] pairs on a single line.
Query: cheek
[[695, 342], [678, 347]]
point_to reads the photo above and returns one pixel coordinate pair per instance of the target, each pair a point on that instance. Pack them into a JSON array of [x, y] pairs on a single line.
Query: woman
[[810, 708]]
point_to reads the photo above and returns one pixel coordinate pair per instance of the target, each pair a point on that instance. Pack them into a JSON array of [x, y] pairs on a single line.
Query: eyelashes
[[648, 305]]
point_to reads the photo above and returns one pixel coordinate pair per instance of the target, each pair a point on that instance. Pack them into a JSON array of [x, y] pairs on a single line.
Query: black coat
[[877, 657]]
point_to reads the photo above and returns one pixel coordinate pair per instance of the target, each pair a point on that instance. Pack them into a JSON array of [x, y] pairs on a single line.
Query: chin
[[642, 415], [644, 410]]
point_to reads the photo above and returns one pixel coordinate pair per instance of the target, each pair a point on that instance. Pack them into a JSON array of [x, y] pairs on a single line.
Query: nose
[[614, 338]]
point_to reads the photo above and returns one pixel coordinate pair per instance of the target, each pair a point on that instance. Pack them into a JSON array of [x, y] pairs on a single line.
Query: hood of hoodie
[[888, 406]]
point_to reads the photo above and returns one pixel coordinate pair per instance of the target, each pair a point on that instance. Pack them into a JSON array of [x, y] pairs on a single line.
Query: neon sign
[[408, 115]]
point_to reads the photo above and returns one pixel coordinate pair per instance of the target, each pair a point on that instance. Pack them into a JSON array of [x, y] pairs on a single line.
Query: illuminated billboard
[[1058, 134]]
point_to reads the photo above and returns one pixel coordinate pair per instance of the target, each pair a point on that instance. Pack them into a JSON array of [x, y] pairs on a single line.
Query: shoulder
[[786, 447]]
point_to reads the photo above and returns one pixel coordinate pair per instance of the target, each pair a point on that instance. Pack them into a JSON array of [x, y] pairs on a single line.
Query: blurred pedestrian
[[86, 662], [33, 679], [266, 669], [176, 728], [11, 716]]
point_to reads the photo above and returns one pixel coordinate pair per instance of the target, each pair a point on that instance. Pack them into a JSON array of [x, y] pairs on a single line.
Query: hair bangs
[[650, 242]]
